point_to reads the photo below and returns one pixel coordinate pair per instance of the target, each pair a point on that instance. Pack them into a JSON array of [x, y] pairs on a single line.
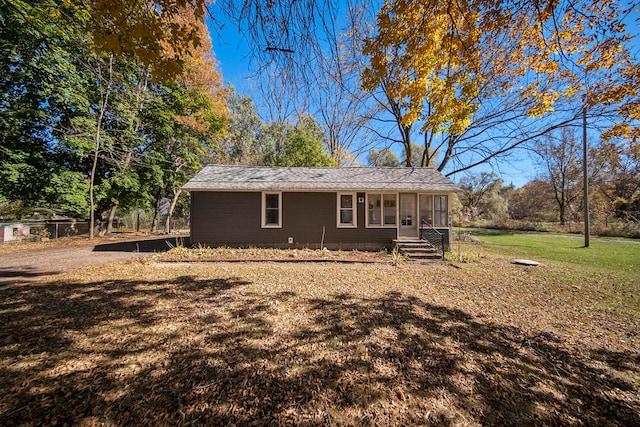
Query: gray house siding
[[234, 219], [224, 218]]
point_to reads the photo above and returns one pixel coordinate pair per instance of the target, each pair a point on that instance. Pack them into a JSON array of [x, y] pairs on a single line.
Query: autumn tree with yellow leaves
[[478, 78], [146, 28]]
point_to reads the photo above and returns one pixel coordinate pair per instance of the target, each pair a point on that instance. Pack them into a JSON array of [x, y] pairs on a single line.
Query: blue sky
[[234, 62], [232, 55]]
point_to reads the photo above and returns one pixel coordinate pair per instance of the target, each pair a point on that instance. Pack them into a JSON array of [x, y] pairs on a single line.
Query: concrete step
[[417, 249], [414, 245], [429, 258], [410, 243]]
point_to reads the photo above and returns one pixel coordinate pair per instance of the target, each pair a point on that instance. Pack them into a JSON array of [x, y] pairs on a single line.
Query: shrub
[[465, 257]]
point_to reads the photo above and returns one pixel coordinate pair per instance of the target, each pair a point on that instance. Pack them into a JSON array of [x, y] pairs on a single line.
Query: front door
[[408, 216]]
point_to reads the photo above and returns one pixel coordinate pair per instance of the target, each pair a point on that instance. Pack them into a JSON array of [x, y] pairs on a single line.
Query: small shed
[[14, 231]]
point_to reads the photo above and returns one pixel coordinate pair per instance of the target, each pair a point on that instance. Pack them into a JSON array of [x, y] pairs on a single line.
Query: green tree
[[73, 105], [187, 120], [89, 133], [183, 125], [240, 143], [299, 145], [38, 87], [121, 185], [123, 139], [68, 192], [419, 157]]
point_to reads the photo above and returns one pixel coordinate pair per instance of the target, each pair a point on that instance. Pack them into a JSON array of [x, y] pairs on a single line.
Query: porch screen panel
[[426, 209], [441, 211]]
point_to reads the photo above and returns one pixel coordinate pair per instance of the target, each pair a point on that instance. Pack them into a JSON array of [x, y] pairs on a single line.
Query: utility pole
[[585, 178]]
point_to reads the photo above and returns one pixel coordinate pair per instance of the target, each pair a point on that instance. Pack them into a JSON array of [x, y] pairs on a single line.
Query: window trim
[[382, 225], [264, 209], [354, 210]]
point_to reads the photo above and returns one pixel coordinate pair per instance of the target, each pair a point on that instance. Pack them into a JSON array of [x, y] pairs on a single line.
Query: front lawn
[[481, 343], [608, 271], [621, 256]]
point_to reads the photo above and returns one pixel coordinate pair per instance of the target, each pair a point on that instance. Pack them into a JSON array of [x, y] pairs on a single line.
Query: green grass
[[618, 257], [604, 276]]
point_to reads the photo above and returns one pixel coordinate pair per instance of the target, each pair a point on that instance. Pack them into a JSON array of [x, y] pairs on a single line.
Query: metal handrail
[[424, 224], [425, 229]]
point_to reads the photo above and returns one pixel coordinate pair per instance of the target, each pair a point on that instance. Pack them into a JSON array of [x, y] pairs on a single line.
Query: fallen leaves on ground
[[252, 254], [268, 343]]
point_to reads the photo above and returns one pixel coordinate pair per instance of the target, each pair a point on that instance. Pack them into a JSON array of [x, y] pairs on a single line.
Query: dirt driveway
[[29, 262]]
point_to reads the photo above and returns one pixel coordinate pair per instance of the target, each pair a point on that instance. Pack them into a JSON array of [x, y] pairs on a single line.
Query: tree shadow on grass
[[11, 274], [193, 351]]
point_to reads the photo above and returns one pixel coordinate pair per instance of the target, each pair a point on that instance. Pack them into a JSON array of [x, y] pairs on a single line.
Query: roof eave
[[447, 189]]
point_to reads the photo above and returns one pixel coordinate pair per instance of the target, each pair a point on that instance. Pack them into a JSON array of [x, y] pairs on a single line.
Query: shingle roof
[[261, 178]]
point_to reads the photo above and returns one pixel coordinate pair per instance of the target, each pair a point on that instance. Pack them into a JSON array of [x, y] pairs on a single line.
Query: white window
[[347, 213], [381, 210], [272, 210]]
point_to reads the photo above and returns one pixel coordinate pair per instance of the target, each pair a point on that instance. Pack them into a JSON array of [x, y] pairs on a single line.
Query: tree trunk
[[94, 167], [154, 221], [172, 206], [92, 209], [408, 150], [562, 214], [112, 215]]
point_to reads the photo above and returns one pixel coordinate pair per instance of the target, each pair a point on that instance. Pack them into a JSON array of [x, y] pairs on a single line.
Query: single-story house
[[332, 207]]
